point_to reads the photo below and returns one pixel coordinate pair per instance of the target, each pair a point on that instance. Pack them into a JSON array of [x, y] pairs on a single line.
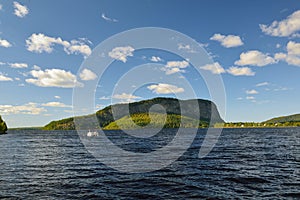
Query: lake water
[[244, 164]]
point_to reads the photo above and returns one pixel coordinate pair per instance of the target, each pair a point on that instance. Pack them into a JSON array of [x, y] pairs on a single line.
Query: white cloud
[[53, 78], [35, 67], [293, 53], [77, 47], [262, 84], [4, 43], [5, 78], [121, 53], [163, 88], [215, 68], [172, 70], [178, 64], [175, 66], [240, 71], [250, 97], [87, 75], [280, 56], [20, 10], [18, 65], [57, 97], [251, 92], [0, 6], [255, 58], [155, 59], [108, 19], [125, 98], [228, 41], [104, 98], [292, 57], [188, 47], [56, 104], [29, 109], [285, 28], [41, 43]]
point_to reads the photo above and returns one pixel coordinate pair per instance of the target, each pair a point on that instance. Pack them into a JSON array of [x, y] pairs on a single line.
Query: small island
[[3, 127]]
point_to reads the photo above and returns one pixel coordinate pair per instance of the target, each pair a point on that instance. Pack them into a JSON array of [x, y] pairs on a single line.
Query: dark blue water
[[245, 164]]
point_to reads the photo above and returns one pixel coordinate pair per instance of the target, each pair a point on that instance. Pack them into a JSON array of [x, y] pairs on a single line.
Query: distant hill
[[139, 112], [289, 118]]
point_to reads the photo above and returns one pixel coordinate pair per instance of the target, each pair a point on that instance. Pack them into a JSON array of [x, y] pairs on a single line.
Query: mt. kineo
[[180, 113]]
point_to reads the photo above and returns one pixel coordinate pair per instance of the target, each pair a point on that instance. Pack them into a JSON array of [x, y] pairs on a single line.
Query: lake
[[244, 164]]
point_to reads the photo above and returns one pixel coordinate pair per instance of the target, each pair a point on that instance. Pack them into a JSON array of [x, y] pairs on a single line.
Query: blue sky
[[255, 47]]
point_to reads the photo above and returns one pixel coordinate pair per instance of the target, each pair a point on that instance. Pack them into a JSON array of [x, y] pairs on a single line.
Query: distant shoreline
[[267, 127]]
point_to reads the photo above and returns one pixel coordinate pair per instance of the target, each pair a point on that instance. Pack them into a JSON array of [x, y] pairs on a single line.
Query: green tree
[[3, 127]]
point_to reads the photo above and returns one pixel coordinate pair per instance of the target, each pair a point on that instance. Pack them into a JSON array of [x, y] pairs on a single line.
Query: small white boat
[[92, 133]]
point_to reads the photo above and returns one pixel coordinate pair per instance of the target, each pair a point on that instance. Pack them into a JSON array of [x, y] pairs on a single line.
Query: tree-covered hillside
[[3, 127], [289, 118]]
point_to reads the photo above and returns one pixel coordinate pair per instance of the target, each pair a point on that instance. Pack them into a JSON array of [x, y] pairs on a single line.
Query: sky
[[254, 47]]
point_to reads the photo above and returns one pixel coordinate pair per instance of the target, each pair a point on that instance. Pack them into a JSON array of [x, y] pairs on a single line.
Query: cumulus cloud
[[20, 10], [228, 41], [255, 58], [292, 57], [285, 28], [4, 43], [87, 75], [53, 78], [179, 64], [78, 47], [172, 70], [56, 104], [175, 66], [39, 43], [164, 88], [29, 109], [251, 91], [155, 59], [215, 68], [18, 65], [293, 53], [121, 53], [57, 97], [240, 71], [5, 78], [108, 19]]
